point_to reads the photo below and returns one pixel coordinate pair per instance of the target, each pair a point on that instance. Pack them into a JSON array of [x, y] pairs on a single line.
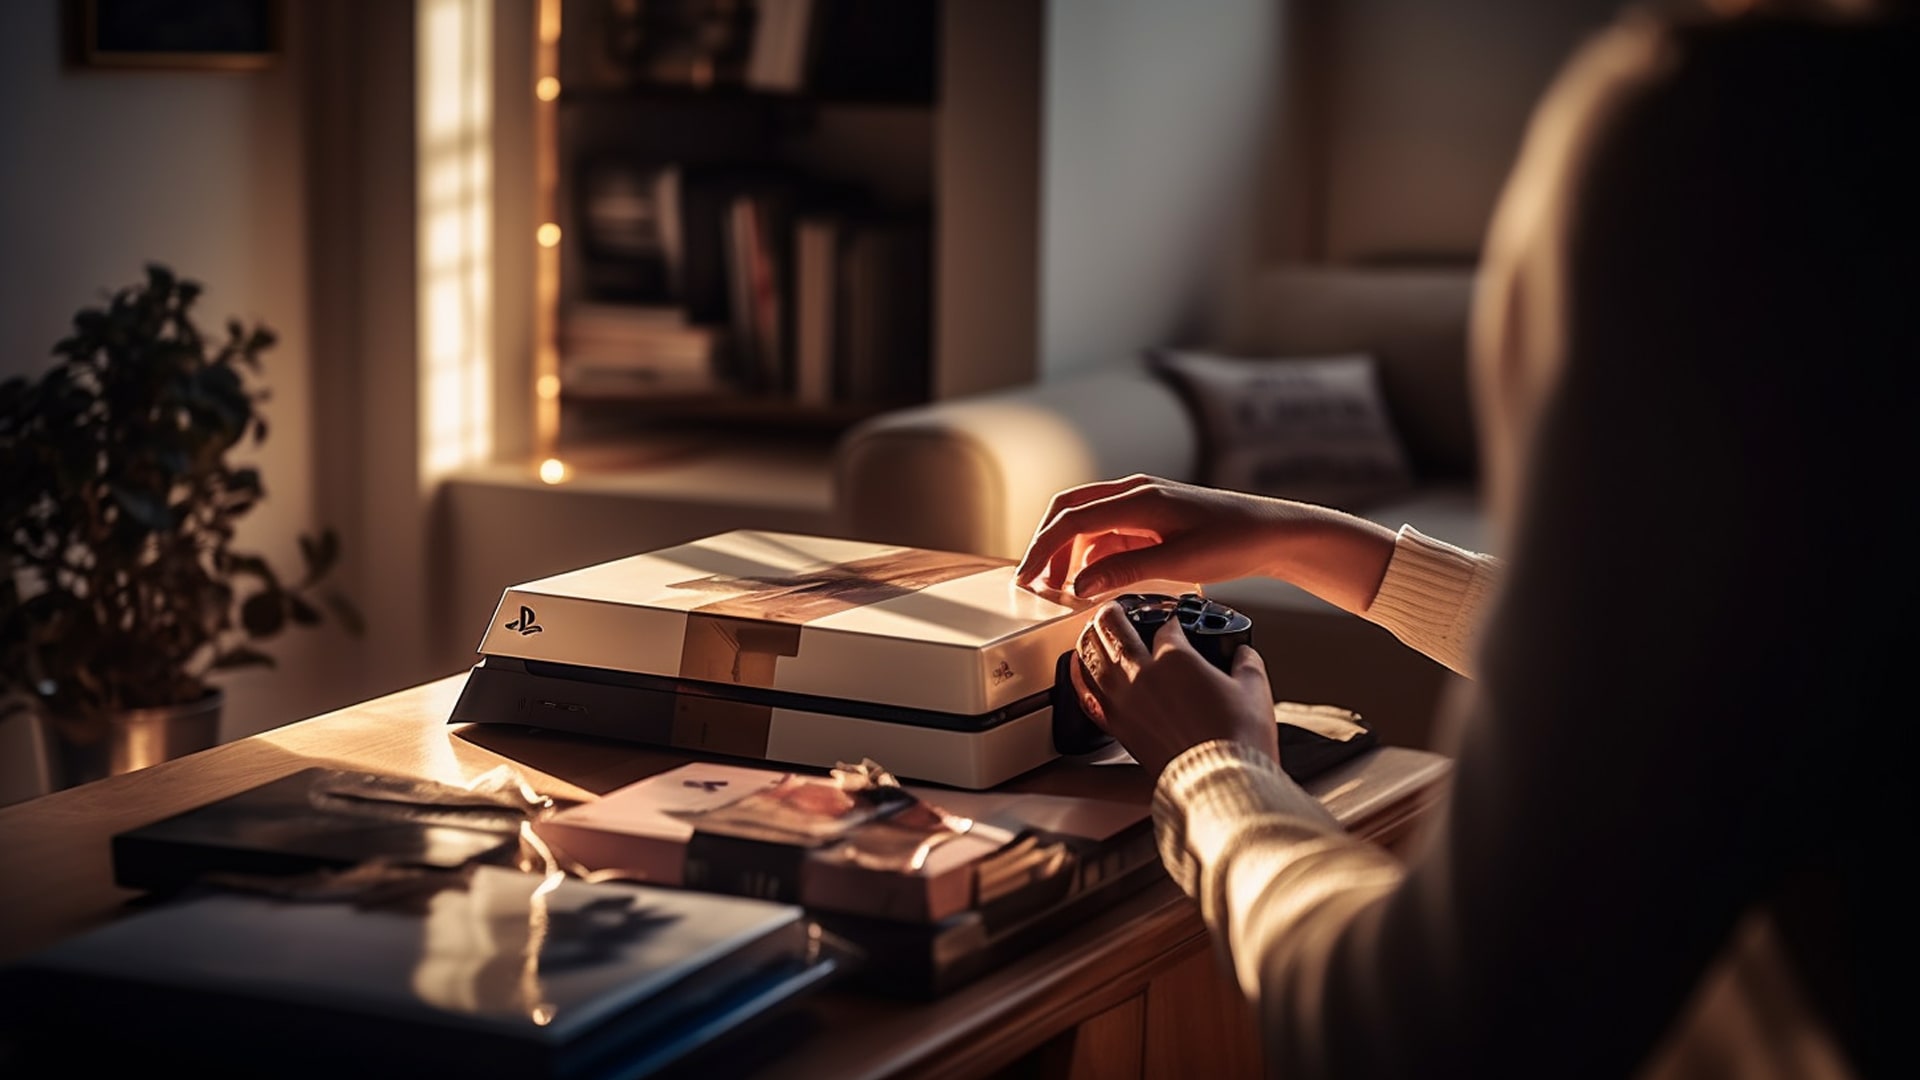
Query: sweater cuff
[[1210, 793], [1432, 595]]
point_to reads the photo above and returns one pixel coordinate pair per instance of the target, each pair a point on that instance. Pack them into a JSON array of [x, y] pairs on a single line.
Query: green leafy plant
[[121, 587]]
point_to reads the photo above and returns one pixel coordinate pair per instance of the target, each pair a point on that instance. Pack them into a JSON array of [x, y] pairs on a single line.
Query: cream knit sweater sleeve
[[1264, 859], [1433, 595]]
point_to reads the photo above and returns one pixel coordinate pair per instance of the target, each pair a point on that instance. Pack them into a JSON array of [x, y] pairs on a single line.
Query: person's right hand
[[1100, 538], [1161, 698]]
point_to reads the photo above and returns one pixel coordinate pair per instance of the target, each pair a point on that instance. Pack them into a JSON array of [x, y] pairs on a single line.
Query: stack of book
[[932, 887], [627, 350], [699, 279], [335, 922], [495, 972]]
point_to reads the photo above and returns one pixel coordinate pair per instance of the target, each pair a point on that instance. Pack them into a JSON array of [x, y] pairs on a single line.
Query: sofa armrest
[[975, 474]]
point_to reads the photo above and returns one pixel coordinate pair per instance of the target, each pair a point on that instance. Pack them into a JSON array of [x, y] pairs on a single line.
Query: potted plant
[[121, 591]]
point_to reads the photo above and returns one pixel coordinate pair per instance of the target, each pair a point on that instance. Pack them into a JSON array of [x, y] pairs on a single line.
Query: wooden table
[[1134, 991]]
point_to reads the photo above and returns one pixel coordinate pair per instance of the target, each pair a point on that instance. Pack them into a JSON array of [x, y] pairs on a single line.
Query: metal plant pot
[[132, 740]]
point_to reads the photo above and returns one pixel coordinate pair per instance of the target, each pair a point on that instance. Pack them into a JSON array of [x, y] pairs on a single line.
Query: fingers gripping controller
[[1215, 630]]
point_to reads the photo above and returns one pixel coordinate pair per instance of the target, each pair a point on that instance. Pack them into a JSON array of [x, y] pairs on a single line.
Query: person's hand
[[1100, 538], [1144, 527], [1164, 699]]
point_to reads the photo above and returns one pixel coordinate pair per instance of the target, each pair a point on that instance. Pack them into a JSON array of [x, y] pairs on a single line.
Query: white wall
[[1157, 119], [1098, 164], [363, 215], [204, 171], [987, 195], [1185, 145]]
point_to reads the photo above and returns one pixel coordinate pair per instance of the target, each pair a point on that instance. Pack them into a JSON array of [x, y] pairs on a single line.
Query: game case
[[483, 972], [319, 818]]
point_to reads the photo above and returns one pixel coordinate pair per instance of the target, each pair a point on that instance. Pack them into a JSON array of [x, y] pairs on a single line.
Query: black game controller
[[1215, 630]]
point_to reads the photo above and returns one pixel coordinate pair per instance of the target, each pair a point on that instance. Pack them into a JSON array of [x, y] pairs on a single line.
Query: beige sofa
[[975, 474]]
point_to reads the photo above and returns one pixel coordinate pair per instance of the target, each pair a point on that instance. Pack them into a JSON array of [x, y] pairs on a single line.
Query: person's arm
[[1099, 539], [1628, 784], [1434, 596]]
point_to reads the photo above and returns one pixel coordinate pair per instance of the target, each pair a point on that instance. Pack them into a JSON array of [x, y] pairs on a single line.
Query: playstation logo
[[525, 623]]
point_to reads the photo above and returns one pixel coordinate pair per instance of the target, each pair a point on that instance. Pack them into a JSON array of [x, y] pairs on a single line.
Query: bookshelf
[[736, 216]]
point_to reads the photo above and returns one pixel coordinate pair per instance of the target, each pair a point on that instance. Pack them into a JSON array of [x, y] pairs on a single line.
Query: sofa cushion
[[1413, 322], [1314, 429]]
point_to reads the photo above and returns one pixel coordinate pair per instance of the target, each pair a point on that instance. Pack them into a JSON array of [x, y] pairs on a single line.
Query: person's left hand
[[1163, 700]]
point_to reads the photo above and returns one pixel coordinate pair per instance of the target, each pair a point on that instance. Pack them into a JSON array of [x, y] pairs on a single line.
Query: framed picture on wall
[[179, 35]]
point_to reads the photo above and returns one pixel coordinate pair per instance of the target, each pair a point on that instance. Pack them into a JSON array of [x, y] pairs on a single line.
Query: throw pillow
[[1314, 429]]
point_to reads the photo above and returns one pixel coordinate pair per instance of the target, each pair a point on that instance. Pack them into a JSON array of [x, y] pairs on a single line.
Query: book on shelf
[[489, 971], [689, 44], [631, 230], [708, 191], [656, 233], [704, 194], [682, 280], [741, 320], [612, 384], [782, 48], [816, 260], [765, 282], [759, 242], [620, 349], [842, 843], [852, 49], [863, 307]]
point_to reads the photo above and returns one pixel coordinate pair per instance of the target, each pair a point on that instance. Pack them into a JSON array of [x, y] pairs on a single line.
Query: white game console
[[789, 648]]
